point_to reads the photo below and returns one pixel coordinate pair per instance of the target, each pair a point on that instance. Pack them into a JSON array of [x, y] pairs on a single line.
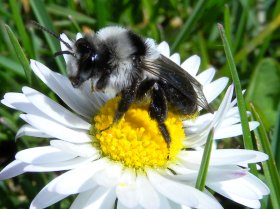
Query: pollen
[[135, 140]]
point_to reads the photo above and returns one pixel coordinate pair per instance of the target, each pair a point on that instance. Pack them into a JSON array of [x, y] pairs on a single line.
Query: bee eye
[[83, 46]]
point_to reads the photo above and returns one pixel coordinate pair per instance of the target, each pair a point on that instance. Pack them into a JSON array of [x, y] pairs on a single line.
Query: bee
[[117, 59]]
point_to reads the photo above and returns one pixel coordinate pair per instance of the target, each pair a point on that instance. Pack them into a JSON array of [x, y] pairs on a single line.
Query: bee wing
[[180, 79]]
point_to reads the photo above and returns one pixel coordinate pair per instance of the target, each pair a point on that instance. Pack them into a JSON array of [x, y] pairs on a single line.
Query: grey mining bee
[[117, 59]]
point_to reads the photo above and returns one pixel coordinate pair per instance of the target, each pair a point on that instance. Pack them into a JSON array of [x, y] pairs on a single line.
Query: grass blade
[[269, 167], [203, 170], [20, 54], [21, 27], [240, 100], [197, 11], [43, 18], [227, 22], [238, 90]]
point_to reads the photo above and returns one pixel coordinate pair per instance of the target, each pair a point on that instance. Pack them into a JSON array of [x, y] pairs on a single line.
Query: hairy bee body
[[118, 60]]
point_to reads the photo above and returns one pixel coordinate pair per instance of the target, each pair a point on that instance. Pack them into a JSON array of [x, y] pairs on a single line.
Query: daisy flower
[[126, 165]]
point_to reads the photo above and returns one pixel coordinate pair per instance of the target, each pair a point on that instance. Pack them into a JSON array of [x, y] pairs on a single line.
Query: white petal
[[56, 130], [256, 184], [121, 206], [199, 135], [78, 36], [236, 192], [40, 155], [206, 76], [233, 130], [146, 195], [67, 57], [109, 176], [224, 107], [181, 193], [163, 48], [79, 179], [191, 65], [82, 199], [58, 166], [54, 110], [222, 157], [83, 150], [74, 98], [219, 173], [177, 206], [214, 89], [164, 202], [46, 197], [13, 169], [19, 102], [175, 58], [27, 130], [234, 102], [100, 198], [126, 190], [228, 121]]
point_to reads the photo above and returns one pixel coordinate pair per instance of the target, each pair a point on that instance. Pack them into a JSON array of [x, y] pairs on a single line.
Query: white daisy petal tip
[[164, 49], [65, 38], [253, 125], [64, 47], [13, 169], [175, 58], [191, 65], [79, 35]]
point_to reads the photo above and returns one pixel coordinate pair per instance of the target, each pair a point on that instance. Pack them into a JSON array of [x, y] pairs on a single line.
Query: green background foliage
[[190, 27]]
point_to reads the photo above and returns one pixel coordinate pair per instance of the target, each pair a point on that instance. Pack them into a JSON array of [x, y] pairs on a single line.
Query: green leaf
[[269, 167], [203, 170], [264, 90], [20, 54]]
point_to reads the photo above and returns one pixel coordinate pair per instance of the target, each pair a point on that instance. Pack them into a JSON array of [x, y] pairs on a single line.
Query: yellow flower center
[[136, 140]]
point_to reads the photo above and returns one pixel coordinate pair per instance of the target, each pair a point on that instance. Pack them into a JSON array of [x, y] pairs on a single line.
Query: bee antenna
[[40, 27], [64, 52]]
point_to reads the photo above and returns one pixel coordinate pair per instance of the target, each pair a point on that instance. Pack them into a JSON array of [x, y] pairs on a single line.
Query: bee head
[[86, 58]]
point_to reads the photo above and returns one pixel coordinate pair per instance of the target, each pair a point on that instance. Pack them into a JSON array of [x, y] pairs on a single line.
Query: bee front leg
[[128, 96]]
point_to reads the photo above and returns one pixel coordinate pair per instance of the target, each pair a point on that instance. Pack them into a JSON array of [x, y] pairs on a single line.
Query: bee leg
[[128, 96], [158, 111], [144, 87]]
